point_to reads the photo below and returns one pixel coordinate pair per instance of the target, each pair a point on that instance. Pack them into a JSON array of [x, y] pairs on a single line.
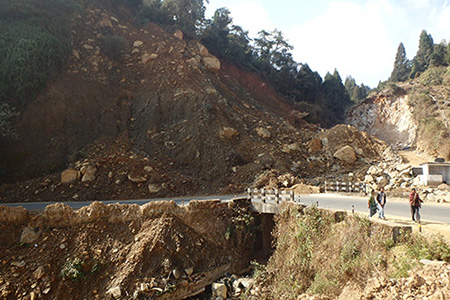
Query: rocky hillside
[[411, 114], [166, 118]]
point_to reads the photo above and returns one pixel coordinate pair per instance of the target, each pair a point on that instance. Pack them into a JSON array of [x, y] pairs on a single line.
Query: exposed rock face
[[389, 118]]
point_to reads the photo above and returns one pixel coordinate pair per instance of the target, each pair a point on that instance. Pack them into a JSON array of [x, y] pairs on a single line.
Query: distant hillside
[[413, 114]]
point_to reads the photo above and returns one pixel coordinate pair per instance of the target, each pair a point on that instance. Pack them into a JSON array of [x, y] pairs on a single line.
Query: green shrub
[[34, 42], [72, 269]]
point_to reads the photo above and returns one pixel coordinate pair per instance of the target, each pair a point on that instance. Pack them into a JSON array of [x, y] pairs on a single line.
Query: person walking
[[381, 202], [414, 202], [372, 205]]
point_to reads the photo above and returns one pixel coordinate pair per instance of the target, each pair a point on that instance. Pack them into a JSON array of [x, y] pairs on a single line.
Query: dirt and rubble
[[121, 251], [166, 119]]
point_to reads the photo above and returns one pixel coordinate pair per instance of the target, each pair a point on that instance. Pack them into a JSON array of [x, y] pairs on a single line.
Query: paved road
[[40, 206], [429, 212]]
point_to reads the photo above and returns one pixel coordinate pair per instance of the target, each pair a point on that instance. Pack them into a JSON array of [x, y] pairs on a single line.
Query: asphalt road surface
[[40, 206], [429, 212]]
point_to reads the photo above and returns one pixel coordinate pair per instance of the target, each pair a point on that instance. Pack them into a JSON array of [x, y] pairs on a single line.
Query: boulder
[[138, 43], [202, 50], [88, 173], [263, 132], [229, 133], [179, 34], [30, 235], [315, 145], [70, 175], [346, 154], [219, 290], [374, 170], [211, 63], [115, 292]]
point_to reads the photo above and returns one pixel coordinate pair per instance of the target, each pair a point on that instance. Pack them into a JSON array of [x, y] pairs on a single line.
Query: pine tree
[[423, 56], [402, 66], [336, 95], [438, 58]]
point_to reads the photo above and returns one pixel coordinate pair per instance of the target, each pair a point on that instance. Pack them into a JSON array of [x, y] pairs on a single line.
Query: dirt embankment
[[121, 251]]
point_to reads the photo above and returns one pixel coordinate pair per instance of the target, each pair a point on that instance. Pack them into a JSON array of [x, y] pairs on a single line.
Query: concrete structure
[[435, 173]]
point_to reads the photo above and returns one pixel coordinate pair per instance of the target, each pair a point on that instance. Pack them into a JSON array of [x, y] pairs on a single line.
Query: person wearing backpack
[[415, 203], [381, 202]]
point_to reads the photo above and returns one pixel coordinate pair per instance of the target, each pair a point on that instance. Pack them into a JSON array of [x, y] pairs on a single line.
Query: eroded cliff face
[[389, 117]]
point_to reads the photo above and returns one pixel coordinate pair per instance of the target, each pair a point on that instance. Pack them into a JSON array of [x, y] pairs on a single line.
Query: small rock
[[32, 296], [39, 273], [417, 281], [138, 43], [30, 235], [179, 34], [19, 264], [62, 246], [148, 168], [115, 292], [263, 132], [219, 290], [45, 292], [147, 57], [136, 178], [229, 132], [154, 188], [189, 271], [176, 273]]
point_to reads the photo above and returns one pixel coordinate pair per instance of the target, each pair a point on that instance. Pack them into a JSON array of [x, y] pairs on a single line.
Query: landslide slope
[[167, 118]]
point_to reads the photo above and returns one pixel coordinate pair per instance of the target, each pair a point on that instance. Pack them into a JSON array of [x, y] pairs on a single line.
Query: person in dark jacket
[[381, 202], [415, 203], [372, 205]]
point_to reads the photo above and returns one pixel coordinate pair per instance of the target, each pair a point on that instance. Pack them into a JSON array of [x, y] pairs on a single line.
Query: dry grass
[[317, 255]]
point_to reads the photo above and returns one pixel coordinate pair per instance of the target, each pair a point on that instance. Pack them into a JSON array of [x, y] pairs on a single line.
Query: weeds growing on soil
[[316, 254]]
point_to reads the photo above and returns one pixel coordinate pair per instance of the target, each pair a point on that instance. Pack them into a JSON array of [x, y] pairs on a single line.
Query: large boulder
[[70, 175], [346, 154], [211, 63]]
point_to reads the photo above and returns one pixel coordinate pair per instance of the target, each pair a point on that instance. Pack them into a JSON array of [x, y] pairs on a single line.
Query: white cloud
[[251, 16], [418, 4]]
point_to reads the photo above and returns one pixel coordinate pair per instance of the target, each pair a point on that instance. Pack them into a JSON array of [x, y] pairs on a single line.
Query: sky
[[358, 38]]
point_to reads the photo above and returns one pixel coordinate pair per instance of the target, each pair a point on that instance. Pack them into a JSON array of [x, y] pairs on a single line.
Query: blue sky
[[357, 37]]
